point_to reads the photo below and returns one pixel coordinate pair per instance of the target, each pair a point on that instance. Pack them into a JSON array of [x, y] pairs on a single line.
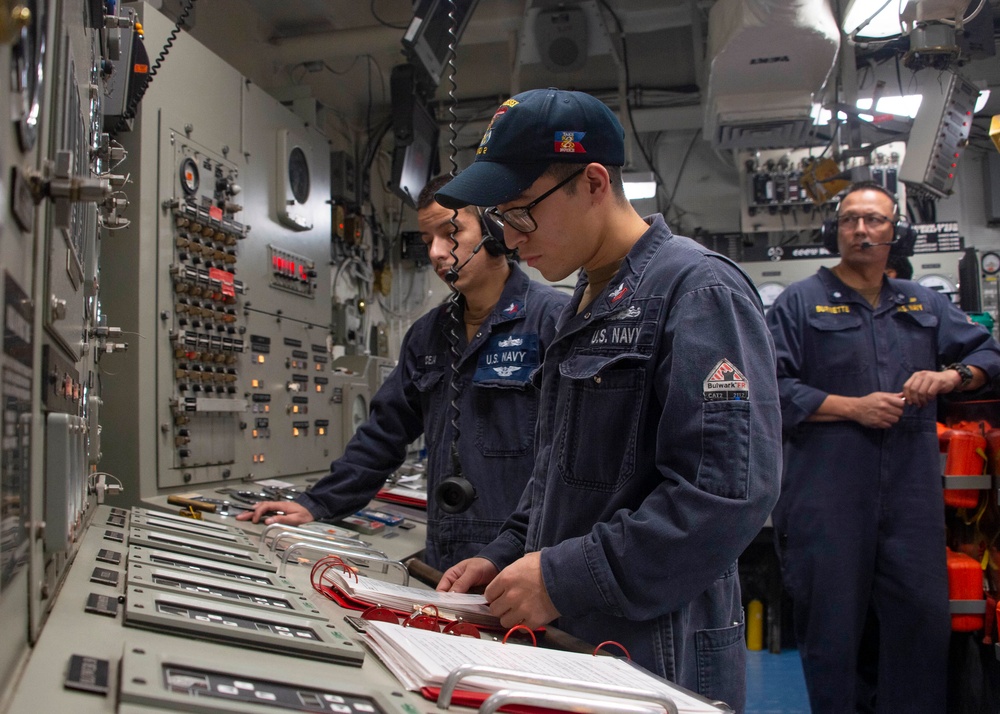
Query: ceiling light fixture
[[639, 184], [984, 96], [905, 106], [873, 18]]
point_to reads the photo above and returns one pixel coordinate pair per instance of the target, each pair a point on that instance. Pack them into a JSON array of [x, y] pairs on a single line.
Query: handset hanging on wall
[[456, 493]]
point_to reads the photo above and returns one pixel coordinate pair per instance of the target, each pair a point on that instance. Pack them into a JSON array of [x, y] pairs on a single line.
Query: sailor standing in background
[[860, 523]]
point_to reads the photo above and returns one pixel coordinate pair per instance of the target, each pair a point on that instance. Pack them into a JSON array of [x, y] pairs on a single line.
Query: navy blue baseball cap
[[528, 133]]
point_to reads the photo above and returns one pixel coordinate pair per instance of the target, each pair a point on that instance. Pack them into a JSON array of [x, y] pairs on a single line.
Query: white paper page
[[438, 655], [403, 597], [398, 664], [414, 489], [370, 588]]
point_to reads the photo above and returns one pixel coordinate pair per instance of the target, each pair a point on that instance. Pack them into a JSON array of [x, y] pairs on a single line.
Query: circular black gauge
[[190, 179], [298, 174], [28, 70]]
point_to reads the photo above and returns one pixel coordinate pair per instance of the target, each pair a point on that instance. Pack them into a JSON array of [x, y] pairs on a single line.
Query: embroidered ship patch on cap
[[569, 142]]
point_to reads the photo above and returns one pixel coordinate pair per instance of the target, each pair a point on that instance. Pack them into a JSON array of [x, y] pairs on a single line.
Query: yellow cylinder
[[755, 625]]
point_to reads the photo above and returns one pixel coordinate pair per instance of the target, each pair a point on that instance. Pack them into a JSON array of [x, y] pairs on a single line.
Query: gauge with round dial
[[938, 283], [298, 174], [990, 263], [190, 179], [769, 292], [28, 72]]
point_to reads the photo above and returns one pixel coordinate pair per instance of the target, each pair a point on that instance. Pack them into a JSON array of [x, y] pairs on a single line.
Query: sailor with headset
[[463, 381], [861, 359]]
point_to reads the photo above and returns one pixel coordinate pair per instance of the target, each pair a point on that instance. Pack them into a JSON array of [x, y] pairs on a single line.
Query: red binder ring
[[422, 619], [461, 628], [534, 642], [619, 645], [380, 614]]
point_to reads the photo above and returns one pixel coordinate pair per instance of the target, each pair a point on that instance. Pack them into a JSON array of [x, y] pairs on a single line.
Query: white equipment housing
[[767, 57]]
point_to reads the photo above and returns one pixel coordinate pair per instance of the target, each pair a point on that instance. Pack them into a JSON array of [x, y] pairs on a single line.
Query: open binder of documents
[[404, 495], [423, 660], [357, 592], [407, 487]]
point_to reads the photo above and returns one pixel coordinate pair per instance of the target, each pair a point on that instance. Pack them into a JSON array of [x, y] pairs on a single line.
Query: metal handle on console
[[659, 699], [353, 547], [351, 556], [276, 529]]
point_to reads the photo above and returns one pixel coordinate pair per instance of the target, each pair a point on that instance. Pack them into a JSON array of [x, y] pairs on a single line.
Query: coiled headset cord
[[456, 493]]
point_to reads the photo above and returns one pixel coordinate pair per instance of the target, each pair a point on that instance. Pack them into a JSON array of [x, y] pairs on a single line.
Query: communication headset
[[493, 240], [904, 235], [456, 493]]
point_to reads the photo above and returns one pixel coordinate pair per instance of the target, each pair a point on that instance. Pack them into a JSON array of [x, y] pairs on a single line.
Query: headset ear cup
[[494, 242], [828, 233], [905, 239], [493, 234]]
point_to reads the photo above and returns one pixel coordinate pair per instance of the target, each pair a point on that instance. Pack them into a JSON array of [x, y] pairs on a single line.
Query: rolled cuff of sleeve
[[314, 507], [803, 405], [570, 581]]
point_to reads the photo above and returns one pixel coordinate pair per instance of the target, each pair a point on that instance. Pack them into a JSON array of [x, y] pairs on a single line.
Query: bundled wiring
[[384, 23], [628, 84], [680, 173]]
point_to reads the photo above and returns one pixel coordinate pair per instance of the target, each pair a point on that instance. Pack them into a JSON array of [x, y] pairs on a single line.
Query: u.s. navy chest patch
[[726, 383], [508, 357]]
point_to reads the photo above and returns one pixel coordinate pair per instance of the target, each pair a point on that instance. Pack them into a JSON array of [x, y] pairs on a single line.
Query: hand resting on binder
[[516, 595]]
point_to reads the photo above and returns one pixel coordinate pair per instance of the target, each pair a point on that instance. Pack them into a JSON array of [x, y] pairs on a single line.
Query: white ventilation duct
[[767, 58]]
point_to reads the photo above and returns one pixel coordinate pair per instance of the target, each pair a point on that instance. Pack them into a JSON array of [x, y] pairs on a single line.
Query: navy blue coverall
[[498, 405], [860, 520], [659, 447]]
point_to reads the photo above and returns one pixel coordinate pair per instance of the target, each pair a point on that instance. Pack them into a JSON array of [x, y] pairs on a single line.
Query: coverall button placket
[[883, 351]]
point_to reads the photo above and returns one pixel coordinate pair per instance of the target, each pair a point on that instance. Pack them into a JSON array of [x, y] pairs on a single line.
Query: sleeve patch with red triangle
[[726, 383]]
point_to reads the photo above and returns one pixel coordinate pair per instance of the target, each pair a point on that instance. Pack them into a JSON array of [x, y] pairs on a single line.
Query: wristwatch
[[963, 371]]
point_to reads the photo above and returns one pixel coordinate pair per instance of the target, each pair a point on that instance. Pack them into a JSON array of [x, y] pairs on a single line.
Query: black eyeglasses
[[872, 220], [519, 217]]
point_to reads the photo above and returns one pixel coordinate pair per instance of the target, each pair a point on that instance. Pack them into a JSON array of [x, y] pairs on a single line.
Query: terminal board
[[232, 379]]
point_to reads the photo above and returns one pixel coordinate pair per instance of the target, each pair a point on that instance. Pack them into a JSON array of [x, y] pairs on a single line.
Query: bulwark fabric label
[[726, 383]]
